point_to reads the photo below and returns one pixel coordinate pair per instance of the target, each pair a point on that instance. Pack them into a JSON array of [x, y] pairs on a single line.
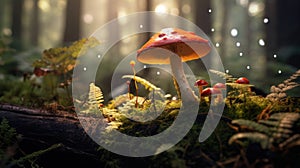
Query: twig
[[205, 156], [228, 161], [33, 155], [245, 158]]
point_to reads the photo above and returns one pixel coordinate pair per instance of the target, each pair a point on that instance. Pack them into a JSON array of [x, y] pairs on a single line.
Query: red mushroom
[[242, 80], [220, 86], [174, 46], [245, 85], [41, 71], [209, 92], [200, 83], [206, 92]]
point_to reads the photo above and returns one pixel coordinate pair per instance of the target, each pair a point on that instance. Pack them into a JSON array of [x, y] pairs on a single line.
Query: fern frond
[[239, 86], [278, 92], [260, 138], [229, 78], [279, 128], [285, 118], [252, 126], [95, 98], [275, 124], [291, 142], [149, 86]]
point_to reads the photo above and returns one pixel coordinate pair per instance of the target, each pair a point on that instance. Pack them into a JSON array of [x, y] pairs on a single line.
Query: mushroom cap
[[242, 80], [170, 42], [210, 91], [201, 82], [41, 71], [219, 86]]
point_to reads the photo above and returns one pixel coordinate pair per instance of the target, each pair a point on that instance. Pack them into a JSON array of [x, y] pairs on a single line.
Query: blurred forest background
[[258, 39]]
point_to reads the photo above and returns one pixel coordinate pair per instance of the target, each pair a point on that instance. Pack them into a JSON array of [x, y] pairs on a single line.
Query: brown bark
[[72, 24], [41, 129]]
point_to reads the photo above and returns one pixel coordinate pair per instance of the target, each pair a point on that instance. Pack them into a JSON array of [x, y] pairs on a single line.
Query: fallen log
[[42, 128]]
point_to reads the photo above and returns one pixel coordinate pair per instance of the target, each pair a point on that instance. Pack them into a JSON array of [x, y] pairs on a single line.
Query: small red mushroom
[[242, 80], [206, 92], [219, 86], [41, 71], [209, 92], [245, 82], [200, 83]]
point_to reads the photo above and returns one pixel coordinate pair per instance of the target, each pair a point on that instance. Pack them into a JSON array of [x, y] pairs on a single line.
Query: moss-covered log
[[41, 129]]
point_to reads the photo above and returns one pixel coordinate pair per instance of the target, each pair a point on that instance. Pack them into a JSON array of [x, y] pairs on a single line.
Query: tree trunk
[[17, 9], [73, 15], [35, 24]]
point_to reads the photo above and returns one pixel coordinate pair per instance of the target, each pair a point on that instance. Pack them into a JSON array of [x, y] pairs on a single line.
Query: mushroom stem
[[128, 86], [177, 88], [200, 90], [187, 94]]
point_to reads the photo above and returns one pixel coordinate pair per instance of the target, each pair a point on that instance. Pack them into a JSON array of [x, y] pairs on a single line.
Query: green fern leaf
[[278, 129], [227, 77], [260, 138], [95, 98], [252, 125]]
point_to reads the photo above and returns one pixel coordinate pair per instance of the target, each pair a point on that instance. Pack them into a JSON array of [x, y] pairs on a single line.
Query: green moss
[[8, 137]]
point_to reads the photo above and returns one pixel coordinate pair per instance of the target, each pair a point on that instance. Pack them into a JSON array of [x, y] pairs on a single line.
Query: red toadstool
[[242, 80], [174, 46], [220, 86], [41, 71], [200, 83], [208, 92]]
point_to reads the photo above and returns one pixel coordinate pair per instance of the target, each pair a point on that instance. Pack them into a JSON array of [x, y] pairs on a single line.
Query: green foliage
[[275, 133], [10, 153], [62, 60], [4, 46], [270, 134], [21, 93], [229, 78], [94, 101], [95, 98], [55, 68], [8, 137]]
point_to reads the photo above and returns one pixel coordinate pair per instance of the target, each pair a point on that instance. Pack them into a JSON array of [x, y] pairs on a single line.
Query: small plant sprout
[[200, 83], [132, 64], [128, 86], [174, 46]]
